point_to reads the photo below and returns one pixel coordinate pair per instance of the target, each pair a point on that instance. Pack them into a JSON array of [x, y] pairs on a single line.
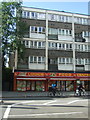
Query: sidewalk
[[12, 94]]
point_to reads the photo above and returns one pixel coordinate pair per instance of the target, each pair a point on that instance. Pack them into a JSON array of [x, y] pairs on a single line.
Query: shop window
[[40, 86], [21, 85], [28, 86], [33, 85], [69, 85]]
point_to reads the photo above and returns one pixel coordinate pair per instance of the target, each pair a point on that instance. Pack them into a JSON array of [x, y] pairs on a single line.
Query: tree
[[13, 29]]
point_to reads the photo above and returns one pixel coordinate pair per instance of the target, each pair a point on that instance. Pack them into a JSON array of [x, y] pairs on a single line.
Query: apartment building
[[57, 51]]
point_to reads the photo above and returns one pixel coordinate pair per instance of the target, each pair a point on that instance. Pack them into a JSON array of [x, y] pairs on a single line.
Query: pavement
[[14, 94]]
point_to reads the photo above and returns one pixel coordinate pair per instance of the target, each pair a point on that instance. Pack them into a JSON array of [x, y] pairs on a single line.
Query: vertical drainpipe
[[46, 47], [16, 58], [73, 38]]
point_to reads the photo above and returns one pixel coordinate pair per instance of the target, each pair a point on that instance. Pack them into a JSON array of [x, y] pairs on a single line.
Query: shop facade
[[41, 81]]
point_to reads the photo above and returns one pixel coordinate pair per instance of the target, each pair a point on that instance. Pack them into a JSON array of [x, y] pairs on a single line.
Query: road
[[46, 107]]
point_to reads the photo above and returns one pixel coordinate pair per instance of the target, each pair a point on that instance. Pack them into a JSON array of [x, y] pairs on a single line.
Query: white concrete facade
[[65, 39]]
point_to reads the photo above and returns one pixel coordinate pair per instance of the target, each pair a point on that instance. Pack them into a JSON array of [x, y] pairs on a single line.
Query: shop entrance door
[[30, 86]]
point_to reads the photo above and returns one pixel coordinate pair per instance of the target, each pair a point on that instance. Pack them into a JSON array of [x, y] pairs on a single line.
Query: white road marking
[[7, 111], [6, 114], [46, 114], [49, 102]]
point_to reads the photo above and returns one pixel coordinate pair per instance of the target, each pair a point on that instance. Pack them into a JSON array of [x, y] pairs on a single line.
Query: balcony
[[80, 39]]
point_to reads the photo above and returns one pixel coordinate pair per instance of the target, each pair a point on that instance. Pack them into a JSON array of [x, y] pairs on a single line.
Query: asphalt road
[[46, 107]]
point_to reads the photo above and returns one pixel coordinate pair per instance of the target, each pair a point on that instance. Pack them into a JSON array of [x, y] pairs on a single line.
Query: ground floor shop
[[41, 81]]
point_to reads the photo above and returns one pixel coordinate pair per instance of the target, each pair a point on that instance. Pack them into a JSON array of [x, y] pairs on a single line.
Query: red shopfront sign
[[51, 76]]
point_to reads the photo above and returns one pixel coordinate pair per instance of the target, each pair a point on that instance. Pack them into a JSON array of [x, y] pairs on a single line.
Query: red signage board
[[43, 74]]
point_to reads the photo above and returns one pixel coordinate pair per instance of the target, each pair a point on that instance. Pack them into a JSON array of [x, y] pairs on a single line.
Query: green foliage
[[12, 28]]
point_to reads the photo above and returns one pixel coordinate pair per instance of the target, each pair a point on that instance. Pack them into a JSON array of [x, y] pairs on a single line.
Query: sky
[[74, 7]]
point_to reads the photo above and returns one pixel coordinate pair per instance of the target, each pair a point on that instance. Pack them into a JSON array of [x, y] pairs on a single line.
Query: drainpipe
[[73, 38], [46, 47]]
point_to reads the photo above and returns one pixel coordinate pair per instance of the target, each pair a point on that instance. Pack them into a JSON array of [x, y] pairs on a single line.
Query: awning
[[62, 79], [83, 79], [31, 78]]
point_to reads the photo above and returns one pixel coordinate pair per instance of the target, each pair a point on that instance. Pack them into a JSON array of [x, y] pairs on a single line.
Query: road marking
[[49, 102], [6, 114], [46, 114], [7, 111], [75, 101]]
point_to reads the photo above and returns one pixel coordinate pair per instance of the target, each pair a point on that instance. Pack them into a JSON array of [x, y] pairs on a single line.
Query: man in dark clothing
[[80, 88]]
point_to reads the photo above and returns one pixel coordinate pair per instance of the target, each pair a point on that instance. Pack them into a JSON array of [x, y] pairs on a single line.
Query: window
[[35, 44], [86, 47], [59, 45], [40, 29], [32, 29], [70, 32], [60, 31], [63, 60], [63, 32], [33, 15], [23, 42], [26, 43], [70, 46], [67, 60], [70, 60], [31, 43], [66, 32], [43, 44], [53, 31], [39, 59], [53, 61], [35, 59], [31, 59], [36, 29], [63, 46], [41, 16], [39, 44], [43, 59], [28, 14], [86, 61], [24, 14], [43, 30]]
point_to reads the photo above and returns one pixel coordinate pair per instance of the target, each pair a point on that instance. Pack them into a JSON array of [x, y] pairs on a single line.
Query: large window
[[52, 31], [65, 32], [37, 44], [35, 29], [37, 59], [65, 60]]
